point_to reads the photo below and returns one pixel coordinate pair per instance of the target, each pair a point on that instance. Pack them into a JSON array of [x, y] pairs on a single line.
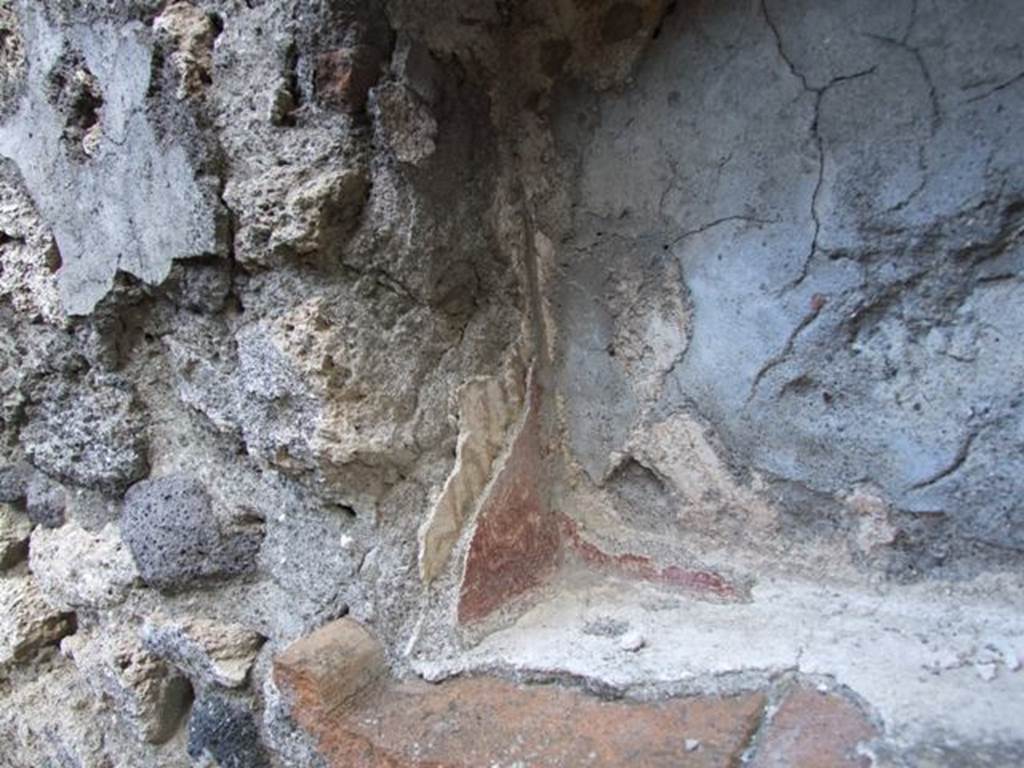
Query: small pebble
[[632, 641], [986, 671], [692, 745]]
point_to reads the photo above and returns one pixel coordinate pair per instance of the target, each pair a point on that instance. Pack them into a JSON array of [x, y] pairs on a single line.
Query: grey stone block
[[175, 538], [45, 502], [14, 478]]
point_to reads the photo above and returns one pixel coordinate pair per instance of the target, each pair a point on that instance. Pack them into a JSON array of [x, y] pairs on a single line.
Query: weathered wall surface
[[540, 340], [799, 230]]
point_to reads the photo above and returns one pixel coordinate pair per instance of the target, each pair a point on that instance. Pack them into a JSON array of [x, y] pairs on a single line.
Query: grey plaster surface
[[135, 201], [841, 185]]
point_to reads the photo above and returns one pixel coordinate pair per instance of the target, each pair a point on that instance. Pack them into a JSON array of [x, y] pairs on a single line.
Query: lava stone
[[225, 730], [170, 527]]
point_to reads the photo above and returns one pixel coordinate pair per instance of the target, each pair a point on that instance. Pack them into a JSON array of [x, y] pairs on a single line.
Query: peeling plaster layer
[[135, 201]]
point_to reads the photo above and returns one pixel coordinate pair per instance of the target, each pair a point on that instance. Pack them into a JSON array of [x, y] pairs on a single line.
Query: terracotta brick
[[814, 730], [484, 721], [327, 669], [516, 542]]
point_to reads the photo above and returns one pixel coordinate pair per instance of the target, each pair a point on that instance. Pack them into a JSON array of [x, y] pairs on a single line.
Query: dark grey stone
[[90, 433], [14, 478], [45, 502], [200, 285], [236, 551], [174, 536], [225, 730]]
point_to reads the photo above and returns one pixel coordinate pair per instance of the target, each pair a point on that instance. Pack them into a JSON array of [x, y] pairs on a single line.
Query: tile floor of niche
[[342, 695], [802, 675], [926, 659]]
